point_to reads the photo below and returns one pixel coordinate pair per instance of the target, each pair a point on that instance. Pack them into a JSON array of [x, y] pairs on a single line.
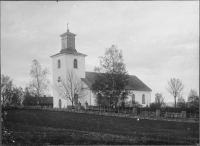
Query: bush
[[154, 106]]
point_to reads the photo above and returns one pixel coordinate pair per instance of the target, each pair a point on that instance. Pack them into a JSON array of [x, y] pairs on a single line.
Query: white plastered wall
[[58, 72], [86, 95], [138, 97], [80, 71], [66, 65]]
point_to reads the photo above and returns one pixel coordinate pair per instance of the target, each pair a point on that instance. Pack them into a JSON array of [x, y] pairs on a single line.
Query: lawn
[[41, 127]]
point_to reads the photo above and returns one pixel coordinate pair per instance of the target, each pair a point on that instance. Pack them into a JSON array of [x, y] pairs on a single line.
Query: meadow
[[39, 127]]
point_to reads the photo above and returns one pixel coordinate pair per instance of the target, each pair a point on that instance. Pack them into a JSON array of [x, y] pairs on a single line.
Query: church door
[[60, 104], [75, 99]]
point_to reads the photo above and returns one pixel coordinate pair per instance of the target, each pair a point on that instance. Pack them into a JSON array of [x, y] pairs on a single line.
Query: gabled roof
[[133, 84], [87, 82], [67, 33], [136, 84]]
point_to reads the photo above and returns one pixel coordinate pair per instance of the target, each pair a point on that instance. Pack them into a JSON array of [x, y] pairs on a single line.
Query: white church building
[[69, 59]]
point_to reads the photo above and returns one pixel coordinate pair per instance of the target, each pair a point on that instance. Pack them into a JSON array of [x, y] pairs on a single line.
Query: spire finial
[[67, 28]]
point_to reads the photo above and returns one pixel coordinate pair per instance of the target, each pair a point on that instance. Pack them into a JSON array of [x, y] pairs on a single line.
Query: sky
[[159, 39]]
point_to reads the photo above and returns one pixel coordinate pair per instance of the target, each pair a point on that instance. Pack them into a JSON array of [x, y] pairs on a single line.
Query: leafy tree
[[181, 102], [154, 106], [175, 88], [135, 104], [26, 92], [111, 76], [101, 100], [6, 89], [70, 86], [40, 82], [193, 99], [159, 100], [18, 96], [10, 94]]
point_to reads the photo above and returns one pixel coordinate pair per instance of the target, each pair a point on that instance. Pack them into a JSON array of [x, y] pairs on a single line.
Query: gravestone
[[134, 111], [79, 105], [146, 113], [183, 114], [157, 114], [86, 105]]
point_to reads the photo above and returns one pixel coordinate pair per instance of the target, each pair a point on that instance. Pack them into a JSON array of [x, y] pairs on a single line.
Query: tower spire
[[67, 28]]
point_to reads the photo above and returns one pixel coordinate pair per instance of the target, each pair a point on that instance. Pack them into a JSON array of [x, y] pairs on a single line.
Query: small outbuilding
[[42, 101]]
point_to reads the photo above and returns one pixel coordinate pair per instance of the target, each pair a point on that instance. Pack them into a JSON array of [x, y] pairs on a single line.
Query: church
[[69, 59]]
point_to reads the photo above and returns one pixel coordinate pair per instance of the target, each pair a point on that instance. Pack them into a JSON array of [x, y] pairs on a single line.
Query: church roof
[[67, 33], [133, 84], [68, 52]]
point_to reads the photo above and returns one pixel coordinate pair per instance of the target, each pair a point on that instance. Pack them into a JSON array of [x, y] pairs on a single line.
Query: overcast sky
[[159, 39]]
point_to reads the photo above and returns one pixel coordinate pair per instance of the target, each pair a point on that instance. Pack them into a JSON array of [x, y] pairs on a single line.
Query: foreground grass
[[50, 127]]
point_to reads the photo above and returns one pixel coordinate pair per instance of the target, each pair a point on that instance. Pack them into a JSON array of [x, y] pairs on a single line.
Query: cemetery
[[46, 125]]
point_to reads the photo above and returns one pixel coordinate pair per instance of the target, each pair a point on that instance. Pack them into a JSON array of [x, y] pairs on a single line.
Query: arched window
[[75, 63], [59, 65], [143, 99], [133, 98]]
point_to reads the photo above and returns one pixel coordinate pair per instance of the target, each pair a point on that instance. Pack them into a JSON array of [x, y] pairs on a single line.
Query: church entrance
[[60, 104], [75, 99]]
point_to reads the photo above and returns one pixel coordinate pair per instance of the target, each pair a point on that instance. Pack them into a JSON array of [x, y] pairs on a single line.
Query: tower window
[[75, 63], [133, 98], [59, 79], [143, 99], [59, 65]]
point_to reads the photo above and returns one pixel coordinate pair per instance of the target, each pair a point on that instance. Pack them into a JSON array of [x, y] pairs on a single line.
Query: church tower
[[66, 60]]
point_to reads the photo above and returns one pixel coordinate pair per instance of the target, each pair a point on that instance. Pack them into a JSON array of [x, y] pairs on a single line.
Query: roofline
[[132, 89], [139, 90], [147, 89], [64, 34], [68, 54]]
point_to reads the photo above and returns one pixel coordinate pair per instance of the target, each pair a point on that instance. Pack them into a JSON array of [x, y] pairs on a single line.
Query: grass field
[[50, 127]]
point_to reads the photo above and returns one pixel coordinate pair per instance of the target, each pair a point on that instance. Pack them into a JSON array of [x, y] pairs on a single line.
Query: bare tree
[[175, 88], [70, 87], [39, 83]]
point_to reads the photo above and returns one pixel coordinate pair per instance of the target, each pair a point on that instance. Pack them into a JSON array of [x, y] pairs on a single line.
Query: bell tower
[[68, 41], [68, 59]]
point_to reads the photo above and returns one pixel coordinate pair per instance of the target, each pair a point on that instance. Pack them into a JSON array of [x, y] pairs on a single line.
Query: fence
[[141, 113]]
